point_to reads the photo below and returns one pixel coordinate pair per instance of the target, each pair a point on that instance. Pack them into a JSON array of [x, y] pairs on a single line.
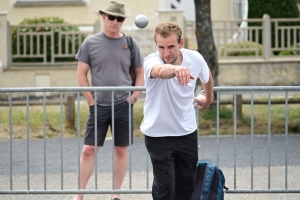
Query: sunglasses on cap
[[112, 18]]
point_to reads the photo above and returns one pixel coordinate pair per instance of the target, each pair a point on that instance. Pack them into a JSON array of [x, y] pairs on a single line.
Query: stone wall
[[259, 72], [237, 72]]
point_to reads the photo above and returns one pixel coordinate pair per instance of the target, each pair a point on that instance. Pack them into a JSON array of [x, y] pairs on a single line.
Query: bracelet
[[134, 98]]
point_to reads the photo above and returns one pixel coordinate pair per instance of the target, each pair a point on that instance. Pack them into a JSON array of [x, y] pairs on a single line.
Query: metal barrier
[[29, 164]]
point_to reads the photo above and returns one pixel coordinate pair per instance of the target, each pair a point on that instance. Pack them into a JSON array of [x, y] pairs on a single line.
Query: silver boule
[[141, 21]]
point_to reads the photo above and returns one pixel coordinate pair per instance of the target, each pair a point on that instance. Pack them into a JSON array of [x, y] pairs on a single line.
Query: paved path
[[141, 166]]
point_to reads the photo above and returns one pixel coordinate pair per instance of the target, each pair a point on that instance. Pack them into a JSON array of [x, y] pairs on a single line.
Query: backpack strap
[[131, 48]]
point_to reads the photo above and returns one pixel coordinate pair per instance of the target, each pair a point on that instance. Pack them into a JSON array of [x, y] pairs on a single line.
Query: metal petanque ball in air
[[141, 21]]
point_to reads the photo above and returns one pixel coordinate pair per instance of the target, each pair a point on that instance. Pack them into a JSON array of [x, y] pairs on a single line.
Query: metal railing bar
[[223, 102], [10, 141], [113, 137], [218, 125], [45, 143], [61, 143], [27, 130], [78, 140], [139, 191], [286, 138], [234, 137], [73, 89], [261, 191], [237, 89], [96, 139], [269, 140], [252, 136], [130, 132], [121, 191]]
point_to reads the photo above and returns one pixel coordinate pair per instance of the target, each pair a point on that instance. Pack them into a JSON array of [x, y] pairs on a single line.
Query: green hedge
[[233, 49], [289, 53], [44, 21], [275, 9]]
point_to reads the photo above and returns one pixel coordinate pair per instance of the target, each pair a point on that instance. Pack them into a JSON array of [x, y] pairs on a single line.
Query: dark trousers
[[174, 161]]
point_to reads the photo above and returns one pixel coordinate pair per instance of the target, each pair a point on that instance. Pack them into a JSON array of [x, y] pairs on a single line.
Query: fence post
[[239, 106], [4, 40], [267, 37], [70, 111]]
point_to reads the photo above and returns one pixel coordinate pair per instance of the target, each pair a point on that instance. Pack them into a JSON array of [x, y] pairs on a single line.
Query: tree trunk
[[205, 38]]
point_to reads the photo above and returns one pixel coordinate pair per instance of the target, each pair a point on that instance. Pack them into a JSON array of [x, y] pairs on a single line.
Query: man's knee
[[88, 151], [121, 151]]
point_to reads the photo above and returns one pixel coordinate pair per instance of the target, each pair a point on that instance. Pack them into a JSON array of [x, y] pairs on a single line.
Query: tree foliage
[[275, 9]]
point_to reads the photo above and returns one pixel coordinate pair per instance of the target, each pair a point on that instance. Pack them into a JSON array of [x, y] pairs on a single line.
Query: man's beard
[[174, 60]]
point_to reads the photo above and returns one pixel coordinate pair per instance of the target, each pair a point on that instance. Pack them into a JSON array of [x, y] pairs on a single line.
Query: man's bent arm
[[139, 81], [204, 100], [168, 71], [165, 71], [82, 73], [208, 89]]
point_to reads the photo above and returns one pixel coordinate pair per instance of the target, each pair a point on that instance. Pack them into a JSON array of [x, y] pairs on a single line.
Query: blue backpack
[[210, 182]]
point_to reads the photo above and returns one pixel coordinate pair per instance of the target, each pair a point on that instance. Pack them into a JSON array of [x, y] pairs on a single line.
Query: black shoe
[[116, 199]]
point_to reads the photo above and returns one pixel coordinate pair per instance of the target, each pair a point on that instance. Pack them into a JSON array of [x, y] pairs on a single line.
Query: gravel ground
[[140, 163]]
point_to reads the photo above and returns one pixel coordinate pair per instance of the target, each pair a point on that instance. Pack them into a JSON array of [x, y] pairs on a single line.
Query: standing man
[[169, 123], [108, 57]]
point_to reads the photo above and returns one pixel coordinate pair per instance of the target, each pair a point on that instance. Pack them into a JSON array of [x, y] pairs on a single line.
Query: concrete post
[[239, 107], [70, 112], [266, 37], [4, 40]]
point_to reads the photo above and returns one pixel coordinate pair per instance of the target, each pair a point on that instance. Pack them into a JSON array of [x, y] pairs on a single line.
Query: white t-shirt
[[169, 109]]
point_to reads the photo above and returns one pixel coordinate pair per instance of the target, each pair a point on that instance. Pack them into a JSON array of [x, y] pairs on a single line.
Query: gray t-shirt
[[109, 60]]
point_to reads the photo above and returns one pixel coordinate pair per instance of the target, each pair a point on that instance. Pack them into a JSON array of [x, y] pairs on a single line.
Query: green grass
[[207, 120], [208, 126]]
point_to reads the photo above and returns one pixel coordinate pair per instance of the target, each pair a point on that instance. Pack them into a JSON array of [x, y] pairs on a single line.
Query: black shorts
[[104, 120]]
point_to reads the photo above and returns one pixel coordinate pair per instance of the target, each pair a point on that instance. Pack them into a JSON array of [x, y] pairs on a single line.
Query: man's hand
[[183, 75], [201, 102], [131, 99]]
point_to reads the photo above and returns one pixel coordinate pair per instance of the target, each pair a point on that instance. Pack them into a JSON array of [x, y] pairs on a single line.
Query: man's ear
[[181, 43]]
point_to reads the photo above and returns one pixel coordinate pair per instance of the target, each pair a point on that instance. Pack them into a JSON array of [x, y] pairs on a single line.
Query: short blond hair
[[165, 29]]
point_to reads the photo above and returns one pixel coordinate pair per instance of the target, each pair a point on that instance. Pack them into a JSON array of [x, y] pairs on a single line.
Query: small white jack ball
[[141, 21]]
